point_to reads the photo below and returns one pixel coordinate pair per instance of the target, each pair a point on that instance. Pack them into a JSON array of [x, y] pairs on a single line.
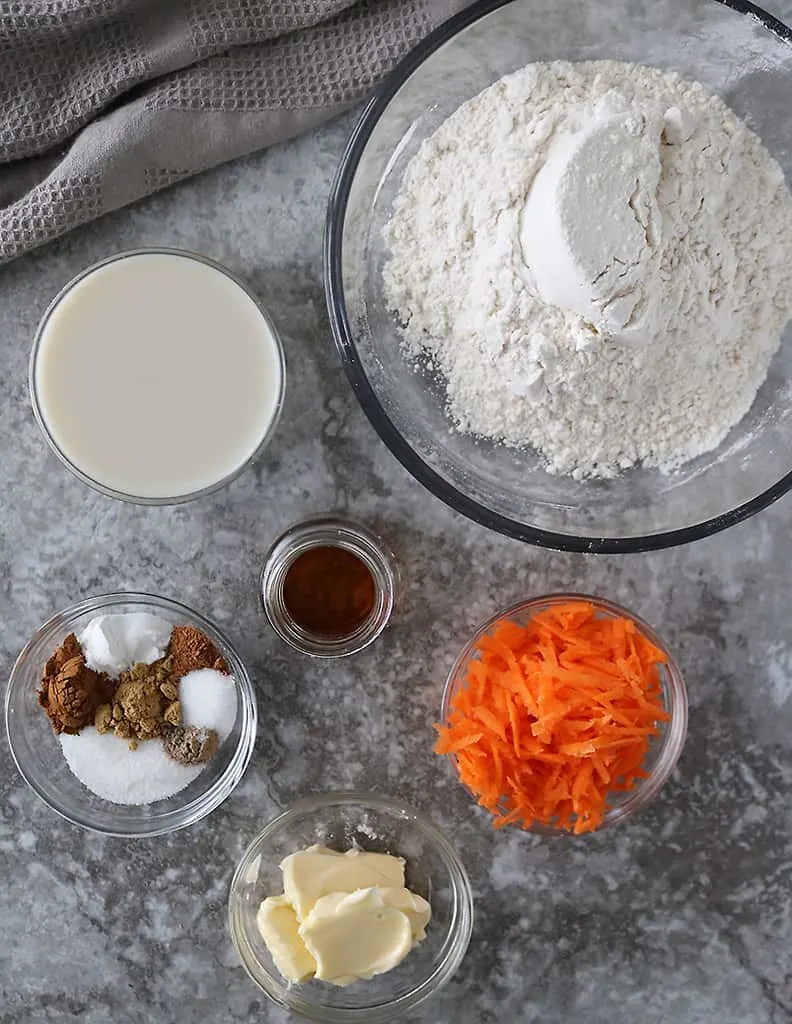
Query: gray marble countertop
[[683, 915]]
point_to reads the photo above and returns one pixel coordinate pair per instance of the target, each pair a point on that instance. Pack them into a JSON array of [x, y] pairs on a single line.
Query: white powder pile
[[209, 700], [113, 643], [598, 259], [105, 765]]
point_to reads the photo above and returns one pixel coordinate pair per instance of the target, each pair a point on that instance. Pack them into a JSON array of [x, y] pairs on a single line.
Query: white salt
[[209, 701]]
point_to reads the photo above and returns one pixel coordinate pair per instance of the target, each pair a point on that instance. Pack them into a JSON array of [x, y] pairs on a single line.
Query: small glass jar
[[338, 532]]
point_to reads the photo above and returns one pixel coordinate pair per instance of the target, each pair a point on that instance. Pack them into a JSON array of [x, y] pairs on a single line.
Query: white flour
[[711, 288]]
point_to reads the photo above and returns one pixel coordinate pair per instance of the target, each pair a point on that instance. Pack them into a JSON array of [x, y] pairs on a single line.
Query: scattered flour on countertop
[[365, 829], [712, 284]]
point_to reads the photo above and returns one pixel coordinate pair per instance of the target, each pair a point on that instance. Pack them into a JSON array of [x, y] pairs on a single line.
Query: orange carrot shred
[[555, 715]]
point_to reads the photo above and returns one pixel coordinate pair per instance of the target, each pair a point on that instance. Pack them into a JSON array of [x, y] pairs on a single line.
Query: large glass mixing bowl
[[736, 50]]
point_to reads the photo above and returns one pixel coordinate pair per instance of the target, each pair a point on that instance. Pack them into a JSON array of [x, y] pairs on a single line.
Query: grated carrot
[[555, 715]]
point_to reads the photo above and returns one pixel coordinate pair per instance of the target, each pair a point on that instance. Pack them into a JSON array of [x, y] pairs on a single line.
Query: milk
[[157, 375]]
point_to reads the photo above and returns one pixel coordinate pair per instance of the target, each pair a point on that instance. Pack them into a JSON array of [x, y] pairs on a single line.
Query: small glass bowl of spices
[[131, 715], [328, 586]]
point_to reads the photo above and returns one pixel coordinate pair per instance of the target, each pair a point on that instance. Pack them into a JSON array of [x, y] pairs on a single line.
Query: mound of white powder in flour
[[598, 259]]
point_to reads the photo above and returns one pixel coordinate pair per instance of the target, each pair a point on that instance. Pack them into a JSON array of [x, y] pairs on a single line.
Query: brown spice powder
[[143, 705], [71, 692], [190, 650], [190, 745]]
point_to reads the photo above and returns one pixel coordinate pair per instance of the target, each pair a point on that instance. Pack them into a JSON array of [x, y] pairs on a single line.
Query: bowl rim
[[459, 933], [673, 741], [207, 801], [38, 412], [343, 335]]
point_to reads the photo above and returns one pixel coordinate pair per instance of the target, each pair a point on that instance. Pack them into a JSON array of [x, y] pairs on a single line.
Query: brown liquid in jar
[[329, 591]]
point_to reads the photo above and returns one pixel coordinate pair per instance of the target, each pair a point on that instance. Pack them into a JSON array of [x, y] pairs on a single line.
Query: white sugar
[[105, 764], [209, 701]]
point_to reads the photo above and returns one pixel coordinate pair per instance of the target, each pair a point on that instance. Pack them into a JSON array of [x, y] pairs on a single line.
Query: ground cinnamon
[[71, 692]]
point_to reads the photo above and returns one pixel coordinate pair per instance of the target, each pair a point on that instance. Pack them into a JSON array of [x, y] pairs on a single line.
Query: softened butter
[[342, 917]]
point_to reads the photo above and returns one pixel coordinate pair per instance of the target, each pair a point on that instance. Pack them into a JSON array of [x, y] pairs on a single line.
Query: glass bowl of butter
[[350, 907]]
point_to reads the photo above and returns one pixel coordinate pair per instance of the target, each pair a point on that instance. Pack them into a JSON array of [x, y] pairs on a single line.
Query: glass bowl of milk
[[156, 376]]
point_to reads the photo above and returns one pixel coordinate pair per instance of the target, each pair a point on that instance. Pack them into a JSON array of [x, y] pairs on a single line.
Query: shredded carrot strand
[[555, 715]]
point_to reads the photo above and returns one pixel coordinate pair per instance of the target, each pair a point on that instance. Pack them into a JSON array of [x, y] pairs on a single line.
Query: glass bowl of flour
[[97, 781], [559, 268]]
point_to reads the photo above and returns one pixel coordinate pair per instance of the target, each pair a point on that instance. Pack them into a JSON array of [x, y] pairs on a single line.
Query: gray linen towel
[[104, 101]]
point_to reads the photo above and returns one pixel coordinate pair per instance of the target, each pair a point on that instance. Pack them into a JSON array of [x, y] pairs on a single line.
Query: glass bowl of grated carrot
[[565, 713]]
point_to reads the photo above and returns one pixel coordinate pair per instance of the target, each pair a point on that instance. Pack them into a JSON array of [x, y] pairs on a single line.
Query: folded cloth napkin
[[104, 101]]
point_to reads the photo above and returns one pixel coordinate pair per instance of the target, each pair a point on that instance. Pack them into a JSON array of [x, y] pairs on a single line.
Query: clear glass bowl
[[98, 485], [375, 823], [337, 532], [664, 750], [37, 752], [738, 52]]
